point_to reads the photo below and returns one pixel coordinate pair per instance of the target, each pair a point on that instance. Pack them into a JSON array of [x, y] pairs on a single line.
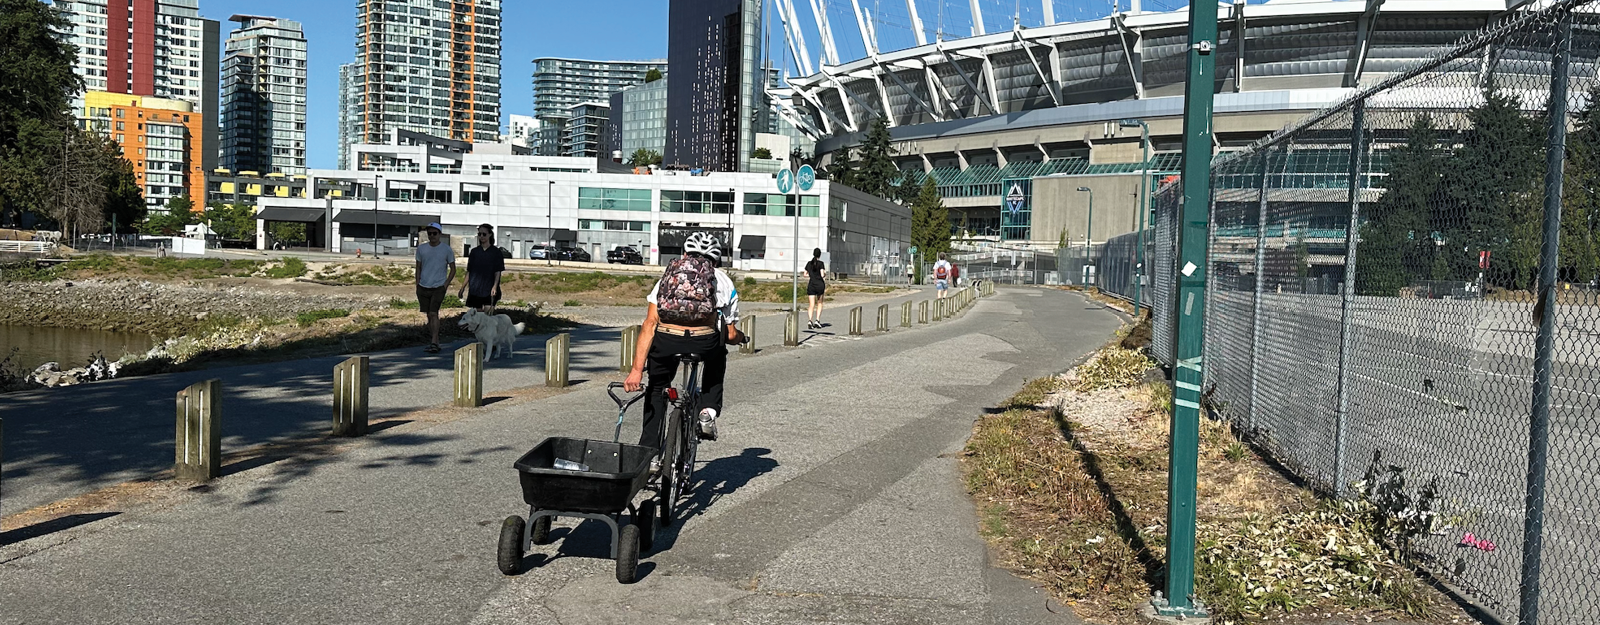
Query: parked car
[[504, 253], [573, 254], [540, 252], [625, 255]]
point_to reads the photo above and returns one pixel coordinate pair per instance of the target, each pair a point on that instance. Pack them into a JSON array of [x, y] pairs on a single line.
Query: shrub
[[451, 301], [291, 268], [572, 302], [749, 281], [406, 304]]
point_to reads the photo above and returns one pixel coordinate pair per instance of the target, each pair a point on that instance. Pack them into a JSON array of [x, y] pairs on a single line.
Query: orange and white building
[[164, 139]]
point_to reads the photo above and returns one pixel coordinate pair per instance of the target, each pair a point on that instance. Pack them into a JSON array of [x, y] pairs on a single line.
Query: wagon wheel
[[541, 530], [509, 556], [628, 554]]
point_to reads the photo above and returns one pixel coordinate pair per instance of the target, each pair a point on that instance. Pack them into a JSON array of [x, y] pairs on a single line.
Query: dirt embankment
[[162, 310]]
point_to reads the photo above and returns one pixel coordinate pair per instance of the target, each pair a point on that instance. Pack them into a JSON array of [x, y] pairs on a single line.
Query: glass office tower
[[713, 50]]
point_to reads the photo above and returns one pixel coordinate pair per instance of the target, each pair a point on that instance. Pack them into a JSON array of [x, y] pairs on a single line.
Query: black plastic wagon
[[589, 479]]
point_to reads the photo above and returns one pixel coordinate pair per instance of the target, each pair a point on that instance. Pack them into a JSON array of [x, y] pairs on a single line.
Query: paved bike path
[[833, 497]]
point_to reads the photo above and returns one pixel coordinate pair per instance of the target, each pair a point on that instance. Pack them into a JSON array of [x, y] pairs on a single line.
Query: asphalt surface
[[833, 496]]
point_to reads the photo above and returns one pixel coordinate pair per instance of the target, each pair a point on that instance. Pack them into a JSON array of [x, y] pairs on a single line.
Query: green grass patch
[[451, 301], [575, 282], [309, 317], [404, 304], [572, 302], [291, 267]]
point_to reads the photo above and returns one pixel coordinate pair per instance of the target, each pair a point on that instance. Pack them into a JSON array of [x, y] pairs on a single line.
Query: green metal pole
[[1199, 91], [1144, 177]]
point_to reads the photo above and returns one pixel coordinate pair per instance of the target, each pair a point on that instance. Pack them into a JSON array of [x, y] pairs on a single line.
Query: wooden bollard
[[938, 309], [350, 387], [905, 314], [469, 376], [199, 445], [749, 331], [557, 351], [630, 344], [855, 321], [2, 462], [791, 330], [922, 311], [883, 318]]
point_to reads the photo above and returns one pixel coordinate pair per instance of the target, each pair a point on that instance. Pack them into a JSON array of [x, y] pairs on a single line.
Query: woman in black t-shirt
[[814, 288], [485, 263]]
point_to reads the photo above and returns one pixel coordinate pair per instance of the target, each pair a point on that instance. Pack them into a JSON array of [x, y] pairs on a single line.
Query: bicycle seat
[[688, 357]]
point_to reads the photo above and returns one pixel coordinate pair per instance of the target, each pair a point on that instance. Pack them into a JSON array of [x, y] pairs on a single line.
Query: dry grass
[[1072, 487]]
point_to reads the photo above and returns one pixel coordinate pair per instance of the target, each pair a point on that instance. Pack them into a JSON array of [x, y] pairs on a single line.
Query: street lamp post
[[377, 194], [1144, 186], [1088, 230], [549, 220]]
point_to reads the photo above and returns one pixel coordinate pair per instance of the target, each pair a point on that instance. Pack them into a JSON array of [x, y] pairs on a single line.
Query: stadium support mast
[[916, 22], [977, 19]]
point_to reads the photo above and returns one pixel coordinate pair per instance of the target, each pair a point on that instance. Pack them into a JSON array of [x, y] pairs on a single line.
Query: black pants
[[662, 365]]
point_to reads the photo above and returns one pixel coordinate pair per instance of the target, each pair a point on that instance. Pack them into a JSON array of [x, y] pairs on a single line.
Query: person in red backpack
[[941, 276], [693, 309]]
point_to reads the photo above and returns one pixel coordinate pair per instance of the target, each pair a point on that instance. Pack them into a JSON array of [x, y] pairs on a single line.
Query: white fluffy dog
[[495, 331]]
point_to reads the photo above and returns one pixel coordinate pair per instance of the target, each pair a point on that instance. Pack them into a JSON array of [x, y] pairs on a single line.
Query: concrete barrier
[[905, 314], [855, 321], [791, 330], [557, 355], [350, 388], [469, 376], [749, 330], [922, 311], [630, 344], [883, 318], [199, 444]]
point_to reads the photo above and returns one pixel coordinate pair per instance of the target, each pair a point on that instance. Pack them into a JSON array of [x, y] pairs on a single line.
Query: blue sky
[[627, 29]]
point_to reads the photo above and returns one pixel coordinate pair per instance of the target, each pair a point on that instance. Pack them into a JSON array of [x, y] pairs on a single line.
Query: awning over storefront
[[563, 234], [753, 243], [302, 215], [384, 218]]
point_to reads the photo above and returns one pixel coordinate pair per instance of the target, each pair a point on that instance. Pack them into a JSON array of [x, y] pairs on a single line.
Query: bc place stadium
[[1062, 115]]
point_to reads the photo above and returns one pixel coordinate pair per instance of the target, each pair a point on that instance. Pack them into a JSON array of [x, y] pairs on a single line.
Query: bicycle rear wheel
[[671, 480]]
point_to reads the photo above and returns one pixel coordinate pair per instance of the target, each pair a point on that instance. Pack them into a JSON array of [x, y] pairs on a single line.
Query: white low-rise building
[[567, 202]]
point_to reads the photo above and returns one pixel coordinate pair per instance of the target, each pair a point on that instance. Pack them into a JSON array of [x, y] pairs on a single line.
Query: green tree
[[232, 221], [761, 153], [124, 198], [842, 169], [179, 213], [1397, 246], [643, 157], [930, 222], [652, 75], [288, 233], [877, 173], [1580, 204], [1494, 190], [37, 84]]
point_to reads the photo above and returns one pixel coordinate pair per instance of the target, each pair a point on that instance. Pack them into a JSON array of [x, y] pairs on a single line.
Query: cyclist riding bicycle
[[693, 310]]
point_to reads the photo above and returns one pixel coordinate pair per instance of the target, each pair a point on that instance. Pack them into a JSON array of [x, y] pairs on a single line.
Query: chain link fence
[[1401, 287]]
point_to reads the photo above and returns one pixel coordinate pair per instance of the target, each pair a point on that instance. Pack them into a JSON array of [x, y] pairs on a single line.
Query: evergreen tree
[[930, 222], [1580, 206], [843, 169], [1396, 243], [124, 198], [37, 84], [1494, 190], [877, 173]]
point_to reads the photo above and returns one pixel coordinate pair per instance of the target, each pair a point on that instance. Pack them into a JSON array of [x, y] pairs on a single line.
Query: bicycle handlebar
[[622, 405]]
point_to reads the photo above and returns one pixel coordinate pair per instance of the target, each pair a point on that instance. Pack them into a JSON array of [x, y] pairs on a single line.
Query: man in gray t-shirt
[[436, 269]]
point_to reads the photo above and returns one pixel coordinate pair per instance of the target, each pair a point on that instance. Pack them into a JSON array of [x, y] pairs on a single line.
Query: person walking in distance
[[815, 287], [693, 309], [941, 275], [484, 266], [436, 269]]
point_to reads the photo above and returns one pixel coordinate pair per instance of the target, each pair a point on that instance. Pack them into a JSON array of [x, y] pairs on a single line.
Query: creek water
[[69, 347]]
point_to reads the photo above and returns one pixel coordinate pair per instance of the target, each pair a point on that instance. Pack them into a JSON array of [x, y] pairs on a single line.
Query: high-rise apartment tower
[[714, 103], [560, 84], [429, 66], [264, 97]]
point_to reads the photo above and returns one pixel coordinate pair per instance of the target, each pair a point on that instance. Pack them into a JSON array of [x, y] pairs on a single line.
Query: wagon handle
[[611, 389]]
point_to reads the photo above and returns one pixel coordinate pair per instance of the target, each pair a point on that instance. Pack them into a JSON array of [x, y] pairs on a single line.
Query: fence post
[[883, 318], [1544, 342], [855, 321], [1358, 116], [922, 311], [905, 314], [199, 444], [749, 330], [350, 389], [469, 376], [1255, 314], [791, 329], [556, 357], [630, 344]]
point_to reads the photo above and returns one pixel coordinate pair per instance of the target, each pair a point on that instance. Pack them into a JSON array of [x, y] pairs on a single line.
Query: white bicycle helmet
[[704, 244]]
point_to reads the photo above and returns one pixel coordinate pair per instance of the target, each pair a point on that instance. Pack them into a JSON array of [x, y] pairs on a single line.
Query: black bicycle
[[679, 441]]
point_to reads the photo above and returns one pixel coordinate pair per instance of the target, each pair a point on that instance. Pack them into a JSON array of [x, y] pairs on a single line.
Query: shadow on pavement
[[712, 481], [52, 526]]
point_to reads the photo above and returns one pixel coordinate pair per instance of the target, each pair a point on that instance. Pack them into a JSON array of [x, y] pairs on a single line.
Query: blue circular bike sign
[[785, 181], [806, 177]]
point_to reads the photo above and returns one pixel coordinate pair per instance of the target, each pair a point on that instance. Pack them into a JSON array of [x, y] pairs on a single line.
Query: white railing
[[27, 247]]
